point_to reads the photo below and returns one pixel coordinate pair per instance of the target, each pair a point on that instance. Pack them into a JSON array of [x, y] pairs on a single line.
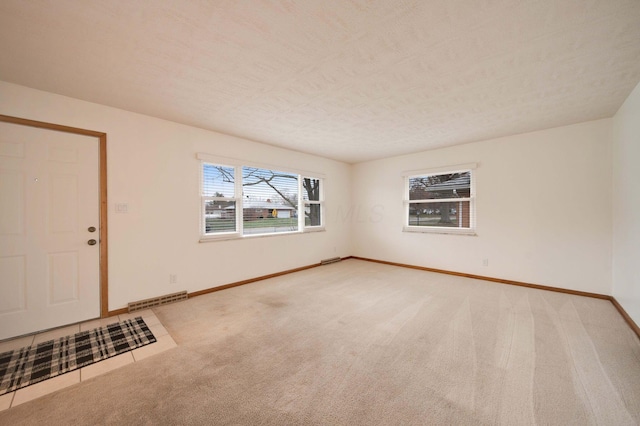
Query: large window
[[269, 201], [243, 201], [440, 201]]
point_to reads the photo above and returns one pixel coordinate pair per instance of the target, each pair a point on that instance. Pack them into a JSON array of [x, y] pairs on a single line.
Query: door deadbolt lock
[[92, 229], [92, 242]]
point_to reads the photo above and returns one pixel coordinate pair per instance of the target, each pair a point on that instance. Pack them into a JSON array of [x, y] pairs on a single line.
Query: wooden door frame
[[102, 172]]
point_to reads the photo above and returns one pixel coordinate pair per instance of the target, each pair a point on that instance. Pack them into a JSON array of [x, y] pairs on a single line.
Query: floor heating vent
[[157, 301], [328, 261]]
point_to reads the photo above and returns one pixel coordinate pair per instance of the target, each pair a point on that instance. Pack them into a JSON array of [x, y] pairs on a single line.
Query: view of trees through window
[[311, 197], [440, 200], [270, 200]]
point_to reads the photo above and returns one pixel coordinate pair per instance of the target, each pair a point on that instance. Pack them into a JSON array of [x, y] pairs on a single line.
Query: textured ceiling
[[352, 80]]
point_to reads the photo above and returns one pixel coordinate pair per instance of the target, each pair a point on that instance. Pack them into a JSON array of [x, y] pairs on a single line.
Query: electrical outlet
[[485, 262], [173, 278]]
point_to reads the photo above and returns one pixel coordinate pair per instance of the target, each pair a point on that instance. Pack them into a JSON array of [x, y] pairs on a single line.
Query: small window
[[440, 202], [219, 202], [312, 195]]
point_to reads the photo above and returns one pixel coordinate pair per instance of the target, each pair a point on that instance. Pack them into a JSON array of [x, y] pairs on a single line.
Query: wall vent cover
[[328, 261], [157, 301]]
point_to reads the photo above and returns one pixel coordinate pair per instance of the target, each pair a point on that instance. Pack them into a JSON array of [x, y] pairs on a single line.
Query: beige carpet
[[361, 343]]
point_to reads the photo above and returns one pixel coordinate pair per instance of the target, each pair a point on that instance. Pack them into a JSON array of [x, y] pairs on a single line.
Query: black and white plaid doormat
[[33, 364]]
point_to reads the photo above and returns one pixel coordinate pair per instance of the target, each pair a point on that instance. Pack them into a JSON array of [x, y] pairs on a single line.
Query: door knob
[[92, 242], [92, 229]]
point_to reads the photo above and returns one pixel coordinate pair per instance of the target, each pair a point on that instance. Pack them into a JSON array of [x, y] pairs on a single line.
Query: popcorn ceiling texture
[[349, 80]]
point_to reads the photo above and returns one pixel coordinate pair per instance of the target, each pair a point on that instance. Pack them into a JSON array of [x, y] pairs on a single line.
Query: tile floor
[[163, 343]]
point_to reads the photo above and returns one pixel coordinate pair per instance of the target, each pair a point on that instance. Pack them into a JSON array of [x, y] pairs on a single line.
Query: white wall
[[626, 205], [543, 209], [544, 204], [152, 167]]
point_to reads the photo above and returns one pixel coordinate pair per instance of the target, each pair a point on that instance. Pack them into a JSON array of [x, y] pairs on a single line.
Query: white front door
[[49, 200]]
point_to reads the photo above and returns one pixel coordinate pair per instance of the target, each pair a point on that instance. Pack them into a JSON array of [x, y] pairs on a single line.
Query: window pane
[[269, 220], [452, 185], [220, 216], [450, 214], [217, 181], [270, 201], [312, 215], [311, 188]]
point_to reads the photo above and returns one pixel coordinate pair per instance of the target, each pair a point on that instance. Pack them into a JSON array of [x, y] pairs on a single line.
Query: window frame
[[204, 199], [238, 166], [305, 203], [461, 168]]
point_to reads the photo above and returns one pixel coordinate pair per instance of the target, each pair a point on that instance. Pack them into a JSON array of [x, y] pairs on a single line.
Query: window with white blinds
[[219, 201], [269, 201], [442, 201], [240, 201]]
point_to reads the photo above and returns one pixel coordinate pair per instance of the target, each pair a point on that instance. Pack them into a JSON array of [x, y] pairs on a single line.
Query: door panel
[[49, 196], [63, 204], [13, 200], [63, 277], [13, 289]]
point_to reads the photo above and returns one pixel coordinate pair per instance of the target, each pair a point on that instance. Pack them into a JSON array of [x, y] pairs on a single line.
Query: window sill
[[434, 230], [235, 236], [225, 237], [314, 229]]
